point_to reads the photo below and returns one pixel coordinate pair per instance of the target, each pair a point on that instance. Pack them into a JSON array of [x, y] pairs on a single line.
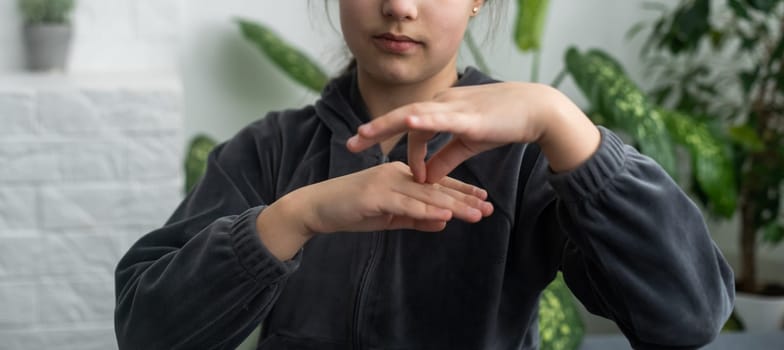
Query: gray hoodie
[[630, 243]]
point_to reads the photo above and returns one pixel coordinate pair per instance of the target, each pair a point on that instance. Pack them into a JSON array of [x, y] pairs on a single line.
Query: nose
[[400, 9]]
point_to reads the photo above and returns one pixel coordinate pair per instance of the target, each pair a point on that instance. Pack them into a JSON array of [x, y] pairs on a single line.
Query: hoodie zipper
[[364, 280], [363, 287]]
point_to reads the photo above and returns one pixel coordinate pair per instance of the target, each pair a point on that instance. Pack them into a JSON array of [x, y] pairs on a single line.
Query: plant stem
[[535, 66], [474, 48], [752, 191], [748, 242], [559, 78]]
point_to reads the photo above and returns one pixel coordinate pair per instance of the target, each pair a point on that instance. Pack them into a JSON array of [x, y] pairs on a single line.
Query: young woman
[[411, 208]]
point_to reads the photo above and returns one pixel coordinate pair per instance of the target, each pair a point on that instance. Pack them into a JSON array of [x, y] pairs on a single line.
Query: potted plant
[[724, 63], [47, 33]]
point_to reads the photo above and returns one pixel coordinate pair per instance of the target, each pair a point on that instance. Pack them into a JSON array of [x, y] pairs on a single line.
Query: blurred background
[[92, 151]]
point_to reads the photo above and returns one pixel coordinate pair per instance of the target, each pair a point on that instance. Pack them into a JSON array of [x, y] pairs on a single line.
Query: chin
[[397, 74]]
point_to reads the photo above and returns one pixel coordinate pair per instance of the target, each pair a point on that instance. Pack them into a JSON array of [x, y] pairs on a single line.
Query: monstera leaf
[[560, 325], [531, 16], [712, 164], [621, 103], [290, 60], [196, 159]]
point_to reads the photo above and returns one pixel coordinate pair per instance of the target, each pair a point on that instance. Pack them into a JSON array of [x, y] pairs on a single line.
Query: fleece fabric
[[631, 245]]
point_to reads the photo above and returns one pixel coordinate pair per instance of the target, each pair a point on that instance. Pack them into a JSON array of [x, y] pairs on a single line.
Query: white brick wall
[[87, 165]]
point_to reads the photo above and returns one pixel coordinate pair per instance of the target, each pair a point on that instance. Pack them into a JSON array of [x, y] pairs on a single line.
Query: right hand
[[384, 197]]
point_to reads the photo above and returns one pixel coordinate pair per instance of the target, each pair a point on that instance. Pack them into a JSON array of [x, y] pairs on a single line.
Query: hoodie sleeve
[[204, 279], [638, 250]]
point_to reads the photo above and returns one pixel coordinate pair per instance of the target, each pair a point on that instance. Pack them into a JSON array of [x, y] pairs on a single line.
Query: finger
[[417, 151], [429, 226], [463, 187], [389, 125], [401, 222], [402, 205], [449, 121], [450, 194], [462, 206], [447, 159], [475, 202]]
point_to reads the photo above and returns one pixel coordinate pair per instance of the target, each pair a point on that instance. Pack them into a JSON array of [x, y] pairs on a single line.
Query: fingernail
[[414, 120], [474, 212], [487, 206], [352, 141], [364, 129]]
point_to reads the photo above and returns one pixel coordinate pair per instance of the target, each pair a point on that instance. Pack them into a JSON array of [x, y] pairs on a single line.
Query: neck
[[382, 97]]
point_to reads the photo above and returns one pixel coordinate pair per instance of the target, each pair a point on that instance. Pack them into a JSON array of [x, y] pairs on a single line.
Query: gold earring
[[475, 10]]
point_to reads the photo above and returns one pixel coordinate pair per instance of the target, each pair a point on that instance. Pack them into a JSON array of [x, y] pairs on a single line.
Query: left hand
[[479, 117]]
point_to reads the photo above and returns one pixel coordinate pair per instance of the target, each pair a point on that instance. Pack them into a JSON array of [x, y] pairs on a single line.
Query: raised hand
[[481, 118]]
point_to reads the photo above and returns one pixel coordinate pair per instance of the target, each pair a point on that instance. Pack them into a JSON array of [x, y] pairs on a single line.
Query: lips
[[393, 37], [397, 44]]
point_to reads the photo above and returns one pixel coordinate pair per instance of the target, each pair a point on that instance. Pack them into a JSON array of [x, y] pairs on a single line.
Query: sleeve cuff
[[596, 172], [253, 255]]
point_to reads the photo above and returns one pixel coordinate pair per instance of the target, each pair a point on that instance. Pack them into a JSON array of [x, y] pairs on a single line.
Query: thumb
[[447, 159]]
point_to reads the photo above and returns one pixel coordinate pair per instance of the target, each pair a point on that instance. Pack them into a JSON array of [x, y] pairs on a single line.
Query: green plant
[[291, 60], [619, 103], [560, 325], [196, 159], [722, 64], [46, 11]]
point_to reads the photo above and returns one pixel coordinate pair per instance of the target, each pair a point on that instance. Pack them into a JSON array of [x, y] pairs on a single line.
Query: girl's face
[[405, 41]]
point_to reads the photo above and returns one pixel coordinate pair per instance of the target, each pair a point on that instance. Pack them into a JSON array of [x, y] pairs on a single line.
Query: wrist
[[568, 137], [281, 228]]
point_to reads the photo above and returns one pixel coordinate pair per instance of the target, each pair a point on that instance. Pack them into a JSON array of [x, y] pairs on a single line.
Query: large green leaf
[[681, 30], [560, 325], [621, 103], [712, 164], [746, 137], [291, 60], [531, 16], [196, 159]]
